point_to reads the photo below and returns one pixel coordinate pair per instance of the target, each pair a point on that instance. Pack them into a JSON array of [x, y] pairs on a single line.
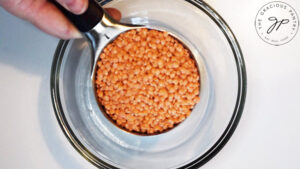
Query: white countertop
[[267, 137]]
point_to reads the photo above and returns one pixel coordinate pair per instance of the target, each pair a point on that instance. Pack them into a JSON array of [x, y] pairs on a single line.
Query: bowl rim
[[210, 153]]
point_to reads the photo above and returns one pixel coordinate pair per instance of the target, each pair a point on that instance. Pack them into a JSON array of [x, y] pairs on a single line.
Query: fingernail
[[77, 35], [76, 6]]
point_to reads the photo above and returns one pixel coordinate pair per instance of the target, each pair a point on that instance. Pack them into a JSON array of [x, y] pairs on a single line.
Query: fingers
[[47, 17], [75, 6], [116, 14], [60, 26], [53, 22], [43, 15]]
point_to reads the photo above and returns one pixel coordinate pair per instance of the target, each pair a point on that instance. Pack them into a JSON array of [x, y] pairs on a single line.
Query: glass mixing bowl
[[190, 144]]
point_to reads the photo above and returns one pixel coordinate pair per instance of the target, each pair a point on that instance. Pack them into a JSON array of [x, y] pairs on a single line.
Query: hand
[[48, 18]]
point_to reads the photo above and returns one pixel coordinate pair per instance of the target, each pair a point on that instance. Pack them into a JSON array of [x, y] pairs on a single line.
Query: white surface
[[267, 137]]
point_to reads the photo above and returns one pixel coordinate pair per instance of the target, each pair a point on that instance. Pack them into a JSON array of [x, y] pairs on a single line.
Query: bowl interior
[[221, 69]]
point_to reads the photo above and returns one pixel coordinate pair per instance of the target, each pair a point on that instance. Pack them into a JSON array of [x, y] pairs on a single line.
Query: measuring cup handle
[[86, 21]]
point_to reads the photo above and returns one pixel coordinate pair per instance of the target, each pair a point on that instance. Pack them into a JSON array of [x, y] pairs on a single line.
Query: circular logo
[[277, 23]]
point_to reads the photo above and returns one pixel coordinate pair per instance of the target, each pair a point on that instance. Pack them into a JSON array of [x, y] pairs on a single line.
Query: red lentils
[[147, 81]]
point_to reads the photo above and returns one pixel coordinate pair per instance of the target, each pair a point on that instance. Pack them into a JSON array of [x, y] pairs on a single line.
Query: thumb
[[74, 6]]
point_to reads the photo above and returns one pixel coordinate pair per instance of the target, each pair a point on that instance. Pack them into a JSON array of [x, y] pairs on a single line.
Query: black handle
[[86, 21]]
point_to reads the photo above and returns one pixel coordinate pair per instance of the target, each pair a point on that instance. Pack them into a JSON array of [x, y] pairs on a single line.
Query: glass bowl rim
[[220, 143]]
